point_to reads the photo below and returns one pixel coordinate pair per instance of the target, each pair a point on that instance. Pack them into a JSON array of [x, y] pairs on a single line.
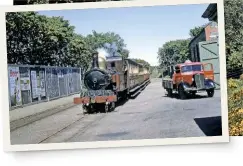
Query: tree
[[100, 40], [80, 54], [26, 2], [35, 39], [25, 38], [173, 52], [234, 33], [195, 31], [141, 61]]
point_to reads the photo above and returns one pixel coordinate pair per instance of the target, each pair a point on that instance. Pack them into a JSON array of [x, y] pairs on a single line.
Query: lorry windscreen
[[190, 68]]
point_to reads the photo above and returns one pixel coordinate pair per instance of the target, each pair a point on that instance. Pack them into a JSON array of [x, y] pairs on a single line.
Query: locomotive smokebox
[[97, 78]]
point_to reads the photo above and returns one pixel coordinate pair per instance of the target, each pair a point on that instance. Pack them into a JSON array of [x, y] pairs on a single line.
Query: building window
[[113, 64]]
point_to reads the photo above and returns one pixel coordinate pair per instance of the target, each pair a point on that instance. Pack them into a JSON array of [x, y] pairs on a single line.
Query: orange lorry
[[189, 78]]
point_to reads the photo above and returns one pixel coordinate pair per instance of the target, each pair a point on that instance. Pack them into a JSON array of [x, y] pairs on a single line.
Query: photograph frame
[[122, 143]]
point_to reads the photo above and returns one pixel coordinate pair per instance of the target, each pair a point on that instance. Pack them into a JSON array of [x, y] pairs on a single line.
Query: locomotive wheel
[[106, 108], [87, 109], [182, 93], [84, 109]]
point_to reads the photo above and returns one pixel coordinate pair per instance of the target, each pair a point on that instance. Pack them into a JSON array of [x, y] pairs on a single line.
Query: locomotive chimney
[[95, 63]]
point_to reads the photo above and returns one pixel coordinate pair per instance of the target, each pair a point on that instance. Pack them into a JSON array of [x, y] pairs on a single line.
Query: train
[[109, 80]]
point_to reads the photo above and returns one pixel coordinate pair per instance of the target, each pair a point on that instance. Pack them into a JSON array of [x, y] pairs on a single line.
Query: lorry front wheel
[[210, 92], [182, 93], [169, 91]]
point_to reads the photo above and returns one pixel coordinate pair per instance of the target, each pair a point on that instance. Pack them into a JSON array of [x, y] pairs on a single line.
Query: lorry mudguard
[[209, 83]]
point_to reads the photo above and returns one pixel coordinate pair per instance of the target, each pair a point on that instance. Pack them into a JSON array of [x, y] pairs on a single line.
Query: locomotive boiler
[[110, 79]]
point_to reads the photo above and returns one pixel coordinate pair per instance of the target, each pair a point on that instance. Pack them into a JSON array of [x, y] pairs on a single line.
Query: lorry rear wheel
[[182, 93], [210, 92], [193, 94]]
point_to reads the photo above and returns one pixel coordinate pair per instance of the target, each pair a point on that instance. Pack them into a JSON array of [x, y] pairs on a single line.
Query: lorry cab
[[186, 72], [191, 77]]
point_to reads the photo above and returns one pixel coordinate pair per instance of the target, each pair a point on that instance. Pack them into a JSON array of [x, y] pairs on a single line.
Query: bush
[[235, 104], [241, 76]]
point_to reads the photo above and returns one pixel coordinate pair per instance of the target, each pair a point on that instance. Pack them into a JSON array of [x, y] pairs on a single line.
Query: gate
[[209, 53]]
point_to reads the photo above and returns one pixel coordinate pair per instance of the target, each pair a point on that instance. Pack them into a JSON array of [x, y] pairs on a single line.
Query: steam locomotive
[[109, 80]]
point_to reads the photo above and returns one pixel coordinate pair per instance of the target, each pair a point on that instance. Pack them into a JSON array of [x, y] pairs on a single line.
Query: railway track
[[79, 126], [59, 127], [75, 128]]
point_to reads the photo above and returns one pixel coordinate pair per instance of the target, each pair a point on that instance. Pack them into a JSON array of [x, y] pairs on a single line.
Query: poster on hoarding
[[14, 85], [60, 74], [25, 83], [41, 85], [34, 84]]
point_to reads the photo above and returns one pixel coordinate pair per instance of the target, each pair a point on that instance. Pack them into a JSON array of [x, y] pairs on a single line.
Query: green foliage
[[195, 31], [40, 40], [234, 32], [235, 60], [26, 2], [173, 52], [38, 1], [98, 40], [156, 72], [141, 61]]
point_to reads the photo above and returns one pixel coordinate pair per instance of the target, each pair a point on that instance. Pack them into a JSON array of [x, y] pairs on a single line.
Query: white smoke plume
[[103, 52], [111, 48]]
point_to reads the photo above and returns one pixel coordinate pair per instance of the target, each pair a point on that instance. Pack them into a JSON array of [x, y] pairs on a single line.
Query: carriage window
[[113, 64]]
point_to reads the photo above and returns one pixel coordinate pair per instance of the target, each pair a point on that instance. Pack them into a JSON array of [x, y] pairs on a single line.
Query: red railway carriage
[[110, 79]]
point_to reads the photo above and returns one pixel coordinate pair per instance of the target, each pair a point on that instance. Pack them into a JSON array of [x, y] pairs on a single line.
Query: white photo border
[[109, 144]]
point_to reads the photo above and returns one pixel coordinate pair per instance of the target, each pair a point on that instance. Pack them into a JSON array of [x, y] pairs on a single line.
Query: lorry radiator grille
[[168, 84], [199, 79]]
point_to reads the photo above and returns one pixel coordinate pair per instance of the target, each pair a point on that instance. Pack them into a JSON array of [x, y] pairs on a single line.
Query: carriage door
[[125, 73]]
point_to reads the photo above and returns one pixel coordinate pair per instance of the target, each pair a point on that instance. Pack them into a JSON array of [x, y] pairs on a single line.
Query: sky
[[144, 29]]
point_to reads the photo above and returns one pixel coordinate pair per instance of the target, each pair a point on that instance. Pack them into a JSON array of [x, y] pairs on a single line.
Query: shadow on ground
[[100, 108], [211, 126], [196, 96], [117, 134]]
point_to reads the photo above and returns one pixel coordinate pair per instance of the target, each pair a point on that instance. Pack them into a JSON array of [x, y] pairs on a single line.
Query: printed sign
[[34, 84], [25, 83], [41, 84], [60, 74], [14, 83]]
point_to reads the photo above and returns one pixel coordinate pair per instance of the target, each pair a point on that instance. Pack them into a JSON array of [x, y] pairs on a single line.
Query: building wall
[[194, 46], [209, 53], [210, 33]]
